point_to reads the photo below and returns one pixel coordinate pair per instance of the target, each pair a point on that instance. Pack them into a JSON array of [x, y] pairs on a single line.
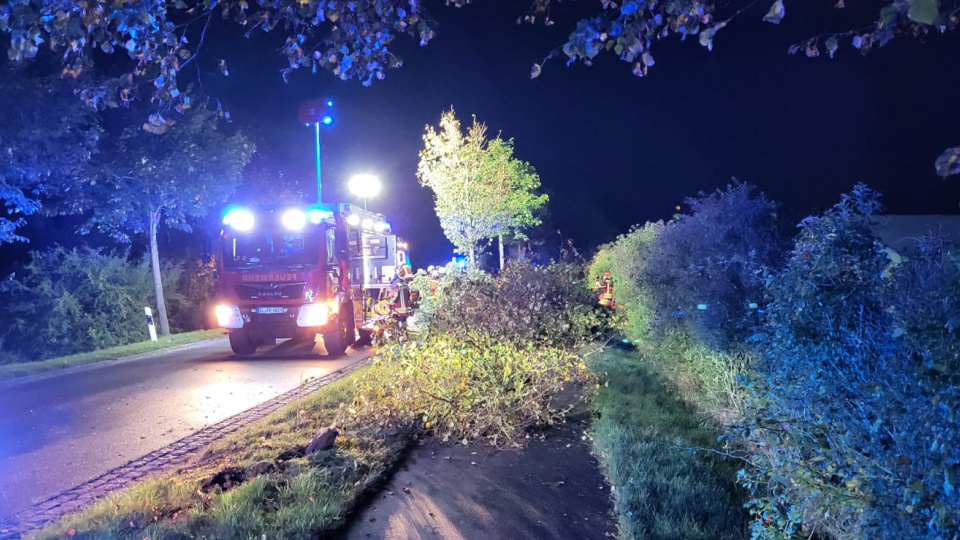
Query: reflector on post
[[150, 326]]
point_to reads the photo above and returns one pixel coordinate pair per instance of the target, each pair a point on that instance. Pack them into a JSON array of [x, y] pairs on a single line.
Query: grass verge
[[10, 371], [663, 491], [256, 482]]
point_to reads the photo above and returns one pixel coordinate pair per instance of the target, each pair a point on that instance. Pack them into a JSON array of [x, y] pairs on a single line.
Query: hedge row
[[64, 302], [833, 364]]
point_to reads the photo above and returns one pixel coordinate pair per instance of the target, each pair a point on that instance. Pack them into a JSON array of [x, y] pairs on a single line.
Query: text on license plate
[[265, 310]]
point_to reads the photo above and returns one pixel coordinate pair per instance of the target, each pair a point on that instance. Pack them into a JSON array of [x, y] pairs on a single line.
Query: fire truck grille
[[270, 291]]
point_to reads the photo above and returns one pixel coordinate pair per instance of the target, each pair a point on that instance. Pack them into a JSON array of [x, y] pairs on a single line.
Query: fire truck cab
[[296, 271]]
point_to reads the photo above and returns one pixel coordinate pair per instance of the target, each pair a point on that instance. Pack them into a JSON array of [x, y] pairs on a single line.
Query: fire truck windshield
[[271, 251]]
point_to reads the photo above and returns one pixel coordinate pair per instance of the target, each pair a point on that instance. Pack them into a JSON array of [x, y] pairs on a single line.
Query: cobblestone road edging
[[172, 455]]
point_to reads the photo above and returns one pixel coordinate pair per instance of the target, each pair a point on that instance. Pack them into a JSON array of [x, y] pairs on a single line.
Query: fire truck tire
[[334, 340], [337, 339], [241, 343]]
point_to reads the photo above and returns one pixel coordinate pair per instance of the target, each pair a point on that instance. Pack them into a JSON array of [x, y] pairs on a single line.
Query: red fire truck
[[299, 271]]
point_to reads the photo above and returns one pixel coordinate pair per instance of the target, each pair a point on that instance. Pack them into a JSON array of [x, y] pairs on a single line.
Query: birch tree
[[452, 164], [481, 191], [518, 183]]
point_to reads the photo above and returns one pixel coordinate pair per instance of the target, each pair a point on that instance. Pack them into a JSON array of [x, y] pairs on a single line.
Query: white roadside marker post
[[150, 326]]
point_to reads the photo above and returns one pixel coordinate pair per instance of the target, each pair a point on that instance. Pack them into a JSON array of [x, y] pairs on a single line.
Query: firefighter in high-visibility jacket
[[603, 286], [404, 276]]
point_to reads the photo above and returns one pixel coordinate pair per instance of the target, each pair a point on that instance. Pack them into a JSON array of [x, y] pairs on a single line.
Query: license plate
[[267, 310]]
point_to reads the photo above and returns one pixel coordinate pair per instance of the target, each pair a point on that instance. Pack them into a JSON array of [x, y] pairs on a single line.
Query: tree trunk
[[500, 241], [157, 282], [473, 257]]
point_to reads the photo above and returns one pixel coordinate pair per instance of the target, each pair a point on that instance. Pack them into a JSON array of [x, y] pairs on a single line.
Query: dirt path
[[553, 489]]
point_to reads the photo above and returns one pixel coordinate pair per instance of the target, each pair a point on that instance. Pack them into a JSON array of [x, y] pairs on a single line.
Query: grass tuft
[[662, 491]]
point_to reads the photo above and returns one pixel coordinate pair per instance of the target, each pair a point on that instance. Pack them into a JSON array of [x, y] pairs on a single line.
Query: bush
[[706, 268], [850, 437], [626, 258], [848, 382], [926, 308], [65, 302], [478, 388], [191, 305], [524, 304]]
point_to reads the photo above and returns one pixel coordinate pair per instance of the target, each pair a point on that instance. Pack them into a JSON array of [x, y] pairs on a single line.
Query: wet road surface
[[61, 431]]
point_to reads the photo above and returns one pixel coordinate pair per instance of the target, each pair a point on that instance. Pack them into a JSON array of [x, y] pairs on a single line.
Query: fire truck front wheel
[[242, 343], [338, 337]]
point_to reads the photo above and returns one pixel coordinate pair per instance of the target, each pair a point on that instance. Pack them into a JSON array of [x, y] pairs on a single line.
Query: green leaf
[[923, 11]]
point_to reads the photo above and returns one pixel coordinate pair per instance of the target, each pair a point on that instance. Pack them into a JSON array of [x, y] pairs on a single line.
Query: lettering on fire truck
[[261, 278]]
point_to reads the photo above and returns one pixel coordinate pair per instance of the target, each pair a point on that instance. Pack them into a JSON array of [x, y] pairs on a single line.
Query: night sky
[[612, 149]]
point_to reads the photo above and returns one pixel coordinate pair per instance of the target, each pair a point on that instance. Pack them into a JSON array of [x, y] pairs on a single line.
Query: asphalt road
[[61, 431]]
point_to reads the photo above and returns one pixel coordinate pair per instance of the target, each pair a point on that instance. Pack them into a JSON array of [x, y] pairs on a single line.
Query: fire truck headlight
[[239, 219], [382, 226], [313, 315], [368, 224], [353, 220], [294, 219], [229, 317]]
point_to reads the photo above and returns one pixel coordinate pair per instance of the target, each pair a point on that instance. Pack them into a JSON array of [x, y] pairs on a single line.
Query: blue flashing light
[[317, 215], [294, 219], [461, 262], [327, 120], [329, 103], [240, 219]]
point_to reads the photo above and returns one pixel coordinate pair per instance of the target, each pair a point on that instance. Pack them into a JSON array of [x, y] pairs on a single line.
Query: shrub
[[476, 388], [444, 290], [63, 302], [625, 258], [191, 307], [849, 392], [926, 308], [524, 304], [706, 268], [848, 436]]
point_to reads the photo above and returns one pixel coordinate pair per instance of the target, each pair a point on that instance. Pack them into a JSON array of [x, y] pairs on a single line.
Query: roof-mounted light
[[240, 219], [382, 226], [368, 223], [294, 219], [353, 220], [316, 216]]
